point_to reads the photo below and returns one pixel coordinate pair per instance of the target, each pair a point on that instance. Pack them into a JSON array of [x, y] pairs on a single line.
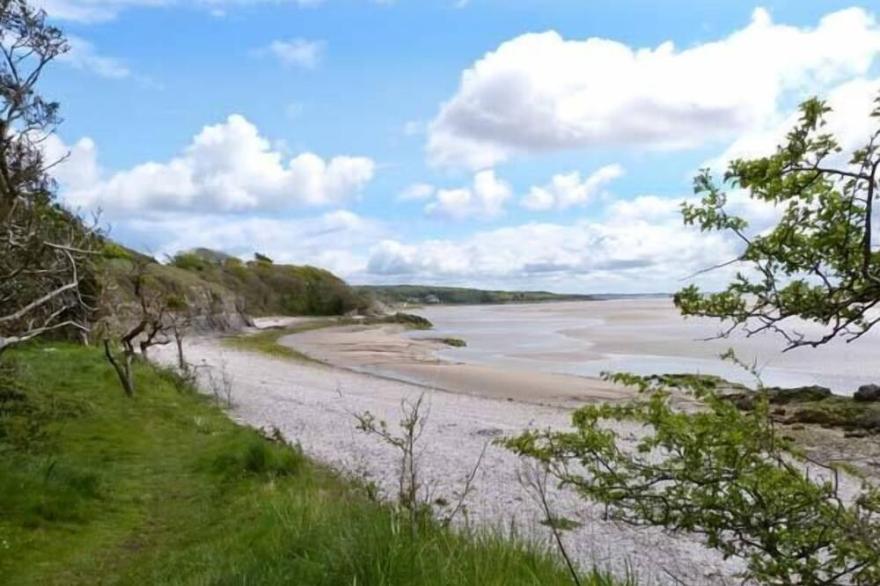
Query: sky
[[515, 144]]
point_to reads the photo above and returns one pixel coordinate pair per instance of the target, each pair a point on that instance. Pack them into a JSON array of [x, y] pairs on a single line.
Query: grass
[[164, 489], [267, 341]]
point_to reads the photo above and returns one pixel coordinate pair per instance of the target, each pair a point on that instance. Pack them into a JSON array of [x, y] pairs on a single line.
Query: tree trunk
[[123, 371], [181, 361]]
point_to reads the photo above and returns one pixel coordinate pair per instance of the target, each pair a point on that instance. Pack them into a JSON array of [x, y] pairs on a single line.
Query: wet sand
[[389, 351], [643, 336]]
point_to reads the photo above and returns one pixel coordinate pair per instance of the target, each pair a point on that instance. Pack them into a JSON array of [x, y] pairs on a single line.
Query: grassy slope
[[265, 288], [165, 489]]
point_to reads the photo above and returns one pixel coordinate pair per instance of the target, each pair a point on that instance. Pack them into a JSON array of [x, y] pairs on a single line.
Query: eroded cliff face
[[202, 305]]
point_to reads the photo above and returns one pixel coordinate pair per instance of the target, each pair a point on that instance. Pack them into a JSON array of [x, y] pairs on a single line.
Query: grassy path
[[165, 489]]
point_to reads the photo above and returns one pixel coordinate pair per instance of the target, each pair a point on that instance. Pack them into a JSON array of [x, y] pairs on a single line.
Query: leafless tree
[[45, 276], [414, 493], [153, 325], [533, 477]]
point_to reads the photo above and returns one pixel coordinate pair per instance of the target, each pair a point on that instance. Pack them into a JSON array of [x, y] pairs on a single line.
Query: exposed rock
[[780, 396], [867, 393]]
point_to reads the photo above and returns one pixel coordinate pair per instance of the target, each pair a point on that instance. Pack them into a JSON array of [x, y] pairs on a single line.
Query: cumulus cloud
[[569, 189], [336, 240], [228, 167], [851, 102], [485, 198], [637, 245], [645, 255], [296, 52], [541, 92]]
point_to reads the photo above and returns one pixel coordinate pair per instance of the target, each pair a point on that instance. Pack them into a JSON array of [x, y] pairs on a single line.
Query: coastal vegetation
[[263, 287], [454, 342], [159, 486], [163, 488], [267, 340], [726, 473]]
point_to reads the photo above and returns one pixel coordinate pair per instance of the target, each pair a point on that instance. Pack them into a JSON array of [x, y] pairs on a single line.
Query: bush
[[720, 473]]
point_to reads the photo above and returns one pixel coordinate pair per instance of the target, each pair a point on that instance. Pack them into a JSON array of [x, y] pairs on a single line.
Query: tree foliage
[[820, 262], [717, 471], [45, 279], [721, 473]]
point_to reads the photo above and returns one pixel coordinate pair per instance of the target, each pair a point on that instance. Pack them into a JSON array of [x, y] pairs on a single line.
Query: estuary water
[[643, 336]]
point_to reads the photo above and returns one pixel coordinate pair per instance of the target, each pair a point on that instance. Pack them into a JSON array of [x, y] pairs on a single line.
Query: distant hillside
[[266, 288], [224, 291], [426, 294]]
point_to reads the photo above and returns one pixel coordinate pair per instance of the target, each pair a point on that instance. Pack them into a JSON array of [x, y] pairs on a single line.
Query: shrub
[[723, 474]]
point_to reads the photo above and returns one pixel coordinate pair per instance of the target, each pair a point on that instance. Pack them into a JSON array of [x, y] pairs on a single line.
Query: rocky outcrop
[[780, 396], [867, 394]]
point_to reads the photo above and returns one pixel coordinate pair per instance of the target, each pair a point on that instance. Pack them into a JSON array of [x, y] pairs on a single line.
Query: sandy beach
[[389, 351]]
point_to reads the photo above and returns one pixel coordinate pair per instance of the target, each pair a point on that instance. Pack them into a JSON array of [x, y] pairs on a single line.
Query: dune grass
[[164, 489]]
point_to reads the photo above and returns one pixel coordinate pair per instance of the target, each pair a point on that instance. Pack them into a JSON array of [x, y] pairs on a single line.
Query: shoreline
[[314, 405], [386, 352]]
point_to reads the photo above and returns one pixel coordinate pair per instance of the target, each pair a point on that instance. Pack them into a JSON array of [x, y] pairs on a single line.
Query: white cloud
[[91, 11], [228, 167], [637, 245], [645, 256], [484, 199], [74, 167], [296, 52], [83, 55], [417, 192], [567, 190], [851, 102], [331, 240], [541, 92]]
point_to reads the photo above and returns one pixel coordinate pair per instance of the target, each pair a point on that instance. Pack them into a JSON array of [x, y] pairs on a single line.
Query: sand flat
[[389, 352]]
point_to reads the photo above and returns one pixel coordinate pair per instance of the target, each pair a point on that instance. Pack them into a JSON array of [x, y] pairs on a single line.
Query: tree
[[720, 472], [160, 316], [820, 262], [45, 276]]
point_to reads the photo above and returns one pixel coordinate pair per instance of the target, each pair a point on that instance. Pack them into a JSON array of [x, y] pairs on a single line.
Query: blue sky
[[439, 141]]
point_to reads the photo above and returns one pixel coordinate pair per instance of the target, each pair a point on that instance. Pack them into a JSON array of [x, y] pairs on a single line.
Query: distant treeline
[[427, 294]]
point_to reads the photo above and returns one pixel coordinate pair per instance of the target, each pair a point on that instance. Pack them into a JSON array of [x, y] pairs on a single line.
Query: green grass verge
[[266, 342], [163, 488]]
